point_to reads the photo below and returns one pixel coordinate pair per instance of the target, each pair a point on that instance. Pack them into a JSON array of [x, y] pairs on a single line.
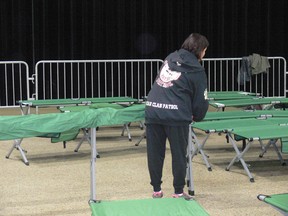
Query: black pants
[[157, 135]]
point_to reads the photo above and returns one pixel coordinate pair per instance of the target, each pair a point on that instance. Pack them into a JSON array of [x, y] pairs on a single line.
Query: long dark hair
[[195, 43]]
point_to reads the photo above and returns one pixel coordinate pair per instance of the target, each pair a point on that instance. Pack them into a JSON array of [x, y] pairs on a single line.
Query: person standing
[[177, 97]]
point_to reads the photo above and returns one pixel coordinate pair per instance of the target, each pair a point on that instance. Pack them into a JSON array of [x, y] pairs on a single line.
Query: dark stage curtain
[[33, 30]]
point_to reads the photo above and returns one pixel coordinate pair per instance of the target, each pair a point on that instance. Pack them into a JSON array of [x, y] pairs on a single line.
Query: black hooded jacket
[[179, 92]]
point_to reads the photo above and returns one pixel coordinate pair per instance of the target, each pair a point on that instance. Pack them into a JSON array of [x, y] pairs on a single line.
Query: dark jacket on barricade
[[252, 65]]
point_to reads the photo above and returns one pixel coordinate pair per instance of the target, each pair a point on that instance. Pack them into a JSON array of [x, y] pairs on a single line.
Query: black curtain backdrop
[[33, 30]]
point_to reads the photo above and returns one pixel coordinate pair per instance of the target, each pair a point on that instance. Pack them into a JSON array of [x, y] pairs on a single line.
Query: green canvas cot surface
[[231, 92], [66, 136], [250, 128], [244, 114], [235, 124], [147, 207], [75, 101], [279, 201], [72, 134], [272, 129], [228, 95], [92, 106], [248, 102], [284, 145], [33, 125], [263, 132]]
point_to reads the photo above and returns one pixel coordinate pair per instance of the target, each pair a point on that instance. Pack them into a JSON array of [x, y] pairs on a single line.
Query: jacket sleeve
[[200, 102]]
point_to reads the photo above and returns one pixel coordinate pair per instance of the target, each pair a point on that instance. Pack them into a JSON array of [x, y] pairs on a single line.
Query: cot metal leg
[[264, 150], [126, 127], [199, 148], [273, 142], [142, 136], [86, 136], [93, 166], [16, 145], [25, 110], [265, 147], [189, 173], [142, 125], [239, 157]]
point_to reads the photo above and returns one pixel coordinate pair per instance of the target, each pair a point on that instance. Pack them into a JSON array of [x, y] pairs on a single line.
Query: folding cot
[[97, 106], [19, 127], [255, 101], [250, 129], [228, 95], [277, 201], [164, 206], [43, 123], [239, 114], [25, 105]]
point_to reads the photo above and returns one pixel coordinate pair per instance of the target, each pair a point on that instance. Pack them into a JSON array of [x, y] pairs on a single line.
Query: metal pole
[[93, 166]]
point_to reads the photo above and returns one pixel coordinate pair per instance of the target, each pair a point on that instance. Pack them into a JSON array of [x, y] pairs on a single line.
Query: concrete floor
[[57, 181]]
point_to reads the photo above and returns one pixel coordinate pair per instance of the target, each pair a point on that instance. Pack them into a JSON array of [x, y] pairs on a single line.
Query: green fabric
[[225, 95], [284, 145], [73, 108], [232, 124], [55, 102], [244, 114], [72, 134], [104, 105], [248, 102], [66, 136], [262, 132], [16, 127], [147, 207], [92, 106], [279, 201], [50, 135], [230, 92], [249, 128], [228, 97]]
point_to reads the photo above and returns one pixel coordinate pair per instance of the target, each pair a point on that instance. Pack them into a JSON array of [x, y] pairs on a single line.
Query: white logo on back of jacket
[[166, 76]]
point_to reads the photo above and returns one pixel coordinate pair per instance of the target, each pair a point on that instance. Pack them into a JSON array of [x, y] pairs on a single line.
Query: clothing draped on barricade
[[252, 65]]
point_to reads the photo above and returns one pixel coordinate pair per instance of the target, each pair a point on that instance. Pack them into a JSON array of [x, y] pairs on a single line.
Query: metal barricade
[[95, 78], [222, 74], [102, 78], [14, 83]]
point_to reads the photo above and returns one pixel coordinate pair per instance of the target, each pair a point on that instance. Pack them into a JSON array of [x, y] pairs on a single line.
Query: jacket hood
[[184, 61]]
